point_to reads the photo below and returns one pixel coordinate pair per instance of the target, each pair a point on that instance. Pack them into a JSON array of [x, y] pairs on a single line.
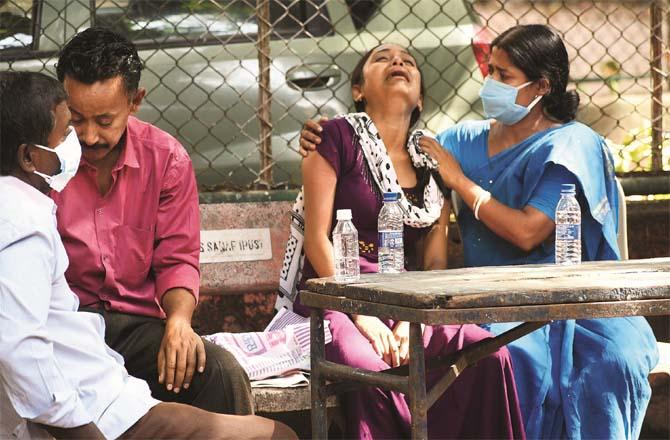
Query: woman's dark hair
[[540, 53], [357, 80], [97, 54], [27, 113]]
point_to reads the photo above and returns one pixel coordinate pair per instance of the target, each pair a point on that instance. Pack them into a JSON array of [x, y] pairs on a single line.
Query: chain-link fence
[[235, 79]]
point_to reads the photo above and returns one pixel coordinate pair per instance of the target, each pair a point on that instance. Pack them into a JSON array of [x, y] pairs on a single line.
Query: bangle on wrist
[[482, 197]]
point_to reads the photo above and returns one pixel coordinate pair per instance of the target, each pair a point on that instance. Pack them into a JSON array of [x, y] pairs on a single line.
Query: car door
[[32, 32], [202, 77], [202, 69]]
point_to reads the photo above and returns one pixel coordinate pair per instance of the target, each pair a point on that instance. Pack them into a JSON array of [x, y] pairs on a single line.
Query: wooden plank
[[525, 313], [510, 285], [274, 400]]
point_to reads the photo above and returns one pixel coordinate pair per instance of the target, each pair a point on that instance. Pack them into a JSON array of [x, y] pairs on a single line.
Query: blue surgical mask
[[69, 155], [499, 101]]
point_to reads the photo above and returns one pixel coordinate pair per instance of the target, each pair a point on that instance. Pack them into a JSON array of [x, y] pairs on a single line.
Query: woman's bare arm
[[319, 182], [435, 248]]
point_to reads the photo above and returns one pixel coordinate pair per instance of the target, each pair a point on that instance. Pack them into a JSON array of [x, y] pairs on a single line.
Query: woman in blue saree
[[578, 378]]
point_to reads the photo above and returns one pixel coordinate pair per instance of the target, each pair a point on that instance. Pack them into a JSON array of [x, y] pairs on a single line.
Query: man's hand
[[182, 351], [380, 336], [309, 136]]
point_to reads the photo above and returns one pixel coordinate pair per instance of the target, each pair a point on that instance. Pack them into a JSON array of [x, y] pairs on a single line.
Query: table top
[[505, 286]]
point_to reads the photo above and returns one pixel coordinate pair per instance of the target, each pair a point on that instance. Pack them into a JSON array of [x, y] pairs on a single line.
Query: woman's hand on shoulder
[[449, 168], [309, 135], [381, 338]]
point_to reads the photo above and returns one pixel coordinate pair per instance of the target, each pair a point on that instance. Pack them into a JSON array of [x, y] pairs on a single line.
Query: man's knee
[[223, 386], [251, 427], [174, 420]]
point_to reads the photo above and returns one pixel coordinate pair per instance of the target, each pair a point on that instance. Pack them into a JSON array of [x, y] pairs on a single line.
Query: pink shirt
[[128, 247]]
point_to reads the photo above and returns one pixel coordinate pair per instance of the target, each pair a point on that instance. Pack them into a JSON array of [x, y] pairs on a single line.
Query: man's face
[[100, 114]]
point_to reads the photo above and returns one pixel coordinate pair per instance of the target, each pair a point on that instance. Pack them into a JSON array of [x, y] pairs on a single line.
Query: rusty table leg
[[417, 383], [473, 353], [317, 382]]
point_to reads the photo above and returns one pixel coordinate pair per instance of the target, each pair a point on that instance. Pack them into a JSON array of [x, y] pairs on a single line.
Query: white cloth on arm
[[54, 364]]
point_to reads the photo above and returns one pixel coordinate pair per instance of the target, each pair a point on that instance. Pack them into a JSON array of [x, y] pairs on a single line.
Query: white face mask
[[69, 155]]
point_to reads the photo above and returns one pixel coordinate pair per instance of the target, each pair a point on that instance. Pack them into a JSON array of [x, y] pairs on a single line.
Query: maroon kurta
[[482, 402]]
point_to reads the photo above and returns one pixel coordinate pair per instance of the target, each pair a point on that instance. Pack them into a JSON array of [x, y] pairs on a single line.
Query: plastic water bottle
[[390, 226], [345, 248], [568, 227]]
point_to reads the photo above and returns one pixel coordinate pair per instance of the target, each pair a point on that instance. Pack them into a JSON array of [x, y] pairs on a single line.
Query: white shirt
[[54, 364]]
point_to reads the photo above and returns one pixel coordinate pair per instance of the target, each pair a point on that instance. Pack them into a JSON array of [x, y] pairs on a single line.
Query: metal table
[[532, 294]]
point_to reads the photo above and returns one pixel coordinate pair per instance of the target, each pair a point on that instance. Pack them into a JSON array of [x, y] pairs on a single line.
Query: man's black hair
[[98, 54], [27, 113]]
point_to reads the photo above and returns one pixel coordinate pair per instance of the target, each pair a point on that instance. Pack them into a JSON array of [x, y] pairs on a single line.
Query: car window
[[299, 18], [152, 21], [16, 27], [362, 11]]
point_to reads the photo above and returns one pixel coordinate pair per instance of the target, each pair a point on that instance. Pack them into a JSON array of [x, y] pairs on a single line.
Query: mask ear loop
[[534, 102], [45, 176], [53, 150], [519, 87]]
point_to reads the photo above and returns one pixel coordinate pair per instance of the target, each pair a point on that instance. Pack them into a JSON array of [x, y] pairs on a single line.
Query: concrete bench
[[255, 232]]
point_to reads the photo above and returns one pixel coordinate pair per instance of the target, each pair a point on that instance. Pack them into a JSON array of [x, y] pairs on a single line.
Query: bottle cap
[[567, 187], [391, 196], [344, 214]]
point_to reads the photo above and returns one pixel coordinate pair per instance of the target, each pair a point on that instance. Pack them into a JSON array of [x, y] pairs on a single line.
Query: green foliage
[[201, 6], [610, 72], [634, 153]]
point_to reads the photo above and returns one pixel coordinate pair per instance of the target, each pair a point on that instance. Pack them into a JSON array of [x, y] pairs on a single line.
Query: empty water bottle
[[568, 227], [390, 227], [345, 248]]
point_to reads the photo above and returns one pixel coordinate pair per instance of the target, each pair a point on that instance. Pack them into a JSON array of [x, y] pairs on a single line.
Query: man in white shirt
[[55, 367]]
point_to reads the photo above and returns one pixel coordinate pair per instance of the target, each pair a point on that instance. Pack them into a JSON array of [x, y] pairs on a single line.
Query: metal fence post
[[667, 47], [215, 70], [656, 86], [264, 111]]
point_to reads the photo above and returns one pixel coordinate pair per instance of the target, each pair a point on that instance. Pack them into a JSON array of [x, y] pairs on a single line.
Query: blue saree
[[575, 378]]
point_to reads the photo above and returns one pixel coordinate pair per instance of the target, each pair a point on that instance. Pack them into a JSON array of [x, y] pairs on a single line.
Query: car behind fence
[[234, 80]]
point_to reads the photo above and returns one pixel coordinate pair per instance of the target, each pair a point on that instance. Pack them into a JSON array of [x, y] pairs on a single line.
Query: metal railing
[[234, 80]]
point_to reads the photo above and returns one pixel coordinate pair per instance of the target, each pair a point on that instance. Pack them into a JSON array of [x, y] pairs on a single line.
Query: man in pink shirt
[[131, 227]]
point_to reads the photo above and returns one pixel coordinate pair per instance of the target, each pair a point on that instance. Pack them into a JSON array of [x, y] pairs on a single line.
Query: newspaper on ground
[[283, 347]]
